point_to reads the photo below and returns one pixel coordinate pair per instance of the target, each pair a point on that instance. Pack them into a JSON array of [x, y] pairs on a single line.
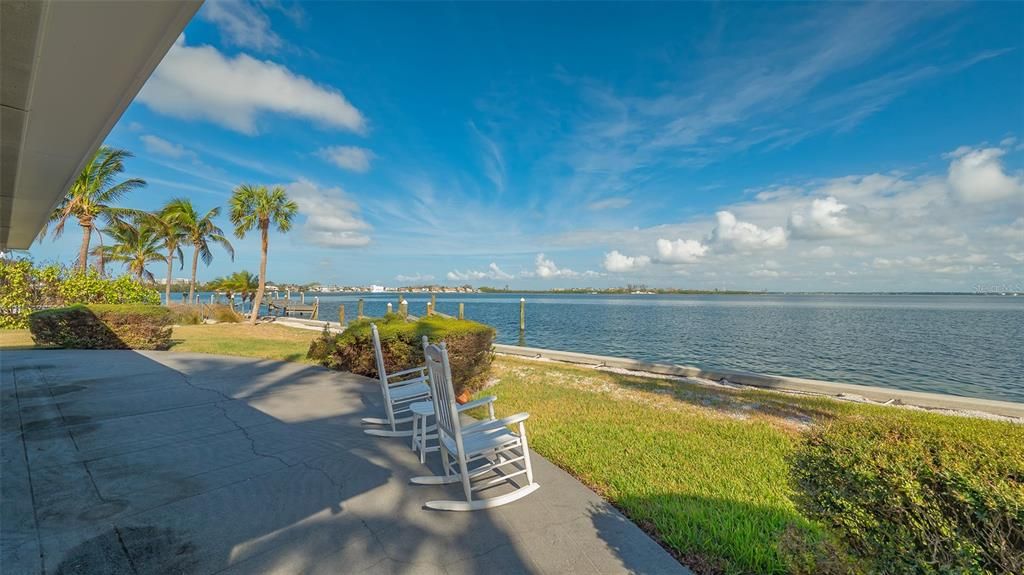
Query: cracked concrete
[[155, 462]]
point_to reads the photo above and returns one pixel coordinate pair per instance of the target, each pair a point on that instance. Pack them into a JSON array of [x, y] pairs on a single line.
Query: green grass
[[705, 470], [266, 341], [16, 339]]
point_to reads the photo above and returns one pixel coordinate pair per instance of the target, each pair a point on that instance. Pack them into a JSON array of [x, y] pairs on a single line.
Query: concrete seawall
[[776, 382]]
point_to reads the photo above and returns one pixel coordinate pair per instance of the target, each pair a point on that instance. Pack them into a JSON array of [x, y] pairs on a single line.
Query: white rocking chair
[[422, 411], [491, 446], [400, 390]]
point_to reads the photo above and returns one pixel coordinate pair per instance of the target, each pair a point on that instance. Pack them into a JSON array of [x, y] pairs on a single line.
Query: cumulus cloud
[[351, 158], [493, 272], [332, 217], [619, 263], [1012, 231], [199, 82], [546, 269], [241, 24], [680, 251], [609, 204], [822, 218], [745, 236], [415, 278], [977, 175], [161, 147]]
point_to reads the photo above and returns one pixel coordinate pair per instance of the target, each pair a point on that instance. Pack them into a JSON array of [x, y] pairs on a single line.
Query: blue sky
[[828, 146]]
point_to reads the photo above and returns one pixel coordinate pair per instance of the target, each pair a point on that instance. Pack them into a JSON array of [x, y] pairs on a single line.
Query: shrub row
[[133, 326], [25, 288], [469, 347], [916, 493]]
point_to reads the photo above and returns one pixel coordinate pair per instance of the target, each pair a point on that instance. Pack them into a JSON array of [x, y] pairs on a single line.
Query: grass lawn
[[265, 340], [16, 339], [704, 469]]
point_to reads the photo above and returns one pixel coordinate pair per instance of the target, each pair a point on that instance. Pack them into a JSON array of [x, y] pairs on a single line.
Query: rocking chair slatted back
[[445, 407], [382, 373]]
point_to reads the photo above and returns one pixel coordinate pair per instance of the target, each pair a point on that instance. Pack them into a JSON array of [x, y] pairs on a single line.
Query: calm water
[[962, 345]]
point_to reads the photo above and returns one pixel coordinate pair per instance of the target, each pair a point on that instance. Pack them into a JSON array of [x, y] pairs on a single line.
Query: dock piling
[[462, 311], [359, 309], [389, 307], [522, 314], [403, 308], [341, 315]]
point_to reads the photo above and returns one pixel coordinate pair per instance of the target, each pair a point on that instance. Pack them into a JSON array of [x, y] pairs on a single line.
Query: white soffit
[[68, 70]]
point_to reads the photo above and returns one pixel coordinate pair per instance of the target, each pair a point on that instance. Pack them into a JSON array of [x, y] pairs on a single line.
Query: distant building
[[377, 289]]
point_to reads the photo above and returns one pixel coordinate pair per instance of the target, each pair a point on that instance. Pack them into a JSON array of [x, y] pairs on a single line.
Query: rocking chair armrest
[[404, 382], [498, 423], [477, 403], [407, 371]]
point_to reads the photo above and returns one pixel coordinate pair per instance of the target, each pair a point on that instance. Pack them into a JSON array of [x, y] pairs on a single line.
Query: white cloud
[[351, 158], [161, 147], [415, 278], [332, 218], [199, 82], [493, 159], [745, 236], [764, 273], [680, 251], [620, 263], [241, 24], [977, 175], [1012, 231], [615, 203], [546, 269], [493, 273], [822, 218], [938, 263], [823, 252]]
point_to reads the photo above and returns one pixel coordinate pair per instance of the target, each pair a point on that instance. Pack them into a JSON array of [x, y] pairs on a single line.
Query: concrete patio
[[157, 462]]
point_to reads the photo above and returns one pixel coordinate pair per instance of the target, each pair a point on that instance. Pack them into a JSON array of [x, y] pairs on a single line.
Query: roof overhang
[[68, 71]]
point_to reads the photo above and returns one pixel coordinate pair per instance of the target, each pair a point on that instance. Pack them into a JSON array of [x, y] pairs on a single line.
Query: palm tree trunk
[[192, 284], [83, 251], [170, 271], [264, 228]]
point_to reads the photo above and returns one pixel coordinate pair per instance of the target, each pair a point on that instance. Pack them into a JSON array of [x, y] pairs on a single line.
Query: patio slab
[[159, 462]]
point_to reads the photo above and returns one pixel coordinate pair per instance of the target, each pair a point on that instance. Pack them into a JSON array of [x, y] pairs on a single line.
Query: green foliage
[[25, 288], [469, 347], [103, 326], [921, 495]]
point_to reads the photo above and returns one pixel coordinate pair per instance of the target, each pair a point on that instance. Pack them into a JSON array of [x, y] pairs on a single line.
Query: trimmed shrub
[[916, 493], [469, 347], [25, 288], [103, 326]]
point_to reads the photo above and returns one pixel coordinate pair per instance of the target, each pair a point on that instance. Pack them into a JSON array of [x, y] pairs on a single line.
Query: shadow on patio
[[150, 462]]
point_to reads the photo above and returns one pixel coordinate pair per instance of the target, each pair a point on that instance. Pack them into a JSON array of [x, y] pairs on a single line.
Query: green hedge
[[469, 347], [100, 326], [918, 493], [25, 288]]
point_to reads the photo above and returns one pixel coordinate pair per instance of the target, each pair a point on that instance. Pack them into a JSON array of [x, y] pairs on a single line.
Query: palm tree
[[90, 197], [256, 207], [172, 236], [199, 231], [243, 283], [134, 246]]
